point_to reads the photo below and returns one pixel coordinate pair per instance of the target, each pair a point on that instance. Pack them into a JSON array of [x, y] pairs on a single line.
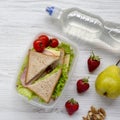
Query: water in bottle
[[88, 27]]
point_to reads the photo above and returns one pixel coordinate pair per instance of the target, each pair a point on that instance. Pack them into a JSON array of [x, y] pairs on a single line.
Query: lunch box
[[61, 38]]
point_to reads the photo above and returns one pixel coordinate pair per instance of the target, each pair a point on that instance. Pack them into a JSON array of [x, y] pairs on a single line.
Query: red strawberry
[[93, 62], [82, 85], [71, 106]]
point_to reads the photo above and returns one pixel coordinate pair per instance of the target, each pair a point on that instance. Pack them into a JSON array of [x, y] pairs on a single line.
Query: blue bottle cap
[[50, 10]]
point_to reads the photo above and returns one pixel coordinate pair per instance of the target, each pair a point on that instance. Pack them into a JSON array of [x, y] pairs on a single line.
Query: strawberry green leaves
[[71, 106], [93, 62]]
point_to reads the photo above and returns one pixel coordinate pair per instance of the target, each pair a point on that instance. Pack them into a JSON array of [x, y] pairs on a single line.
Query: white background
[[20, 21]]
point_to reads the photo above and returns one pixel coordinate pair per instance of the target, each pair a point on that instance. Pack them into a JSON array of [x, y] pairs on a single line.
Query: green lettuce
[[22, 69], [20, 88], [68, 50], [60, 85], [65, 70], [25, 92]]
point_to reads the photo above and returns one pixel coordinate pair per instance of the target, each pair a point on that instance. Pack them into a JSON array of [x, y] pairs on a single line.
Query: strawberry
[[93, 62], [82, 85], [71, 106]]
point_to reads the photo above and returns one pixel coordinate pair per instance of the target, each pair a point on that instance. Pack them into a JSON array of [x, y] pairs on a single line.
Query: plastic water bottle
[[87, 27]]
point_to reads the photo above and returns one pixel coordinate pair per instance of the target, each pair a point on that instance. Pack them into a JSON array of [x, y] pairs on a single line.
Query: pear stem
[[117, 62]]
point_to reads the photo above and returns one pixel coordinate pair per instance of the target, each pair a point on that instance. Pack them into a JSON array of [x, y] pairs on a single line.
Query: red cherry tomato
[[54, 42], [38, 45], [44, 39]]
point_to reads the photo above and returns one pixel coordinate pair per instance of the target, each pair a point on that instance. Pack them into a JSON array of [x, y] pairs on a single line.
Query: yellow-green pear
[[108, 82]]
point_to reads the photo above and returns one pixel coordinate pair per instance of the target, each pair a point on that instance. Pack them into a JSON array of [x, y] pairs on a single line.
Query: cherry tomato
[[54, 42], [44, 39], [38, 45]]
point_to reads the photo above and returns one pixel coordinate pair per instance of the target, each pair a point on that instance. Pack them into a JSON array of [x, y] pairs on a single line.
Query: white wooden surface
[[20, 21]]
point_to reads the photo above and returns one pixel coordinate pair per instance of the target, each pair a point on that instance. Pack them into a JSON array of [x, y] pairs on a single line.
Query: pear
[[108, 82]]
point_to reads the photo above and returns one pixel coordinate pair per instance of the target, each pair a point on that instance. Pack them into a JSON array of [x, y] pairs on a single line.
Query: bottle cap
[[50, 10]]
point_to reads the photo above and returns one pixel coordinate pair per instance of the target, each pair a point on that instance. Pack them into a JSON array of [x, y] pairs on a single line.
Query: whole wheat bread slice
[[45, 87], [60, 61], [37, 63]]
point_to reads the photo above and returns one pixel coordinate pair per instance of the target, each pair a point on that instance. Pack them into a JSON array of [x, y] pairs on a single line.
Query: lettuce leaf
[[25, 92], [65, 70], [21, 89], [25, 61], [68, 50], [61, 83]]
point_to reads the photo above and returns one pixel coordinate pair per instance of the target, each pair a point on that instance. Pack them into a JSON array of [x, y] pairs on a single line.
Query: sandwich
[[37, 64], [44, 87], [43, 75]]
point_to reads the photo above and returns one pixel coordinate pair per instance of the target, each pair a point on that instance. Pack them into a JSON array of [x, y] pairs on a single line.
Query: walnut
[[95, 114]]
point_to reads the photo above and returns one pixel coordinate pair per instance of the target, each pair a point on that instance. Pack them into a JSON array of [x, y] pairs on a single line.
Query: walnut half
[[95, 114]]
